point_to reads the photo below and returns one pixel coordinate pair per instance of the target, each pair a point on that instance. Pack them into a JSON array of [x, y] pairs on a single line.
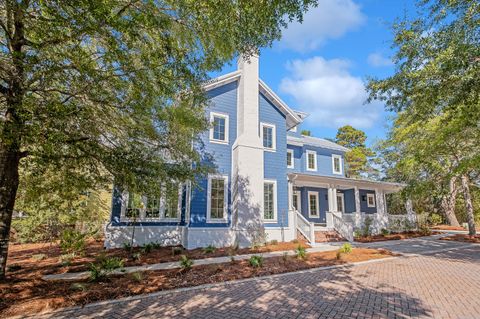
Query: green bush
[[424, 230], [127, 246], [346, 248], [104, 267], [301, 252], [209, 249], [357, 233], [72, 242], [256, 261], [384, 232], [185, 262], [136, 256], [147, 248], [435, 219], [66, 259], [137, 276], [367, 224]]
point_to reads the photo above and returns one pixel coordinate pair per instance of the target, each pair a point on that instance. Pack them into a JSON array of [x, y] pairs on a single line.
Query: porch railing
[[344, 228], [306, 228]]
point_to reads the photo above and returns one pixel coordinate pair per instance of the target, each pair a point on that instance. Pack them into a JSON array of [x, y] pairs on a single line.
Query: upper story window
[[311, 161], [370, 200], [313, 207], [269, 201], [337, 164], [290, 159], [219, 128], [217, 199], [267, 133]]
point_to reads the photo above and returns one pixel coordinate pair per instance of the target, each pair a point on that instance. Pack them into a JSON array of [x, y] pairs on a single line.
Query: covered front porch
[[323, 203]]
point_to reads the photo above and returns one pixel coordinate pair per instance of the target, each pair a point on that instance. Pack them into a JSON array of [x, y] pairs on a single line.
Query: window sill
[[270, 221], [218, 142], [217, 221], [266, 149], [311, 169]]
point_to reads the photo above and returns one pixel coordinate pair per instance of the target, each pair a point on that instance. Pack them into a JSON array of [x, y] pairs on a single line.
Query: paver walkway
[[441, 281]]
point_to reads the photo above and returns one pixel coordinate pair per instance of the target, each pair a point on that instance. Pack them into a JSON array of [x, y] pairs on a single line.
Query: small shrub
[[385, 232], [66, 259], [72, 241], [273, 242], [137, 276], [256, 261], [136, 256], [285, 257], [156, 245], [425, 230], [357, 233], [367, 224], [346, 248], [104, 267], [176, 251], [14, 267], [78, 286], [127, 246], [39, 257], [185, 262], [209, 249], [147, 248], [112, 263], [435, 219], [301, 252]]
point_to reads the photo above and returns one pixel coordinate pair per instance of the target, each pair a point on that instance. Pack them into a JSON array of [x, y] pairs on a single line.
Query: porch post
[[334, 196], [382, 217], [290, 195], [357, 200], [410, 213], [329, 197]]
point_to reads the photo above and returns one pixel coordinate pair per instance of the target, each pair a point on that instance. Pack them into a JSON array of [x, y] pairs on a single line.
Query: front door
[[340, 202]]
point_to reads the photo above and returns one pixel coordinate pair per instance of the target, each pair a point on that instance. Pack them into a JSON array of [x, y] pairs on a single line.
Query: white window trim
[[334, 156], [274, 136], [225, 116], [370, 195], [310, 215], [143, 218], [275, 200], [315, 160], [342, 195], [225, 200], [292, 165]]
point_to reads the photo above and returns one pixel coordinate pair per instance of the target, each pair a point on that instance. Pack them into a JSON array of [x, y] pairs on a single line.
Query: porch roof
[[342, 182]]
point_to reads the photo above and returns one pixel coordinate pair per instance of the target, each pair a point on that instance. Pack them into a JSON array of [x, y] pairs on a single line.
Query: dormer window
[[337, 164], [267, 133], [219, 128]]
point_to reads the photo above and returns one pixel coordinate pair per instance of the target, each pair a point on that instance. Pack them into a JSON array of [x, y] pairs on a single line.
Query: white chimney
[[247, 156]]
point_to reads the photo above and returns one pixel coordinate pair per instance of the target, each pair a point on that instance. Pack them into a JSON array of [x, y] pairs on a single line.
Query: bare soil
[[463, 238], [24, 292], [447, 227], [396, 236]]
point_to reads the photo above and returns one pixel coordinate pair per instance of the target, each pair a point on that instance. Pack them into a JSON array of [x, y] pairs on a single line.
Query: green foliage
[[435, 219], [136, 256], [366, 228], [256, 261], [147, 248], [185, 262], [39, 257], [127, 246], [104, 267], [273, 242], [384, 231], [137, 276], [357, 233], [301, 252], [306, 133], [78, 286], [66, 259], [72, 242], [345, 249], [425, 230], [209, 249]]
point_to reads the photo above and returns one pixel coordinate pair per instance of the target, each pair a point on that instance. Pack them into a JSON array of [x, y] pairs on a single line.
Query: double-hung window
[[217, 198], [219, 128], [171, 201], [290, 159], [370, 200], [270, 201], [337, 164], [313, 208], [268, 135], [311, 161]]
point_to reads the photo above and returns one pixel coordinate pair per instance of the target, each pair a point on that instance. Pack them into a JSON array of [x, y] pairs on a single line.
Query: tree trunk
[[9, 161], [468, 205], [448, 203]]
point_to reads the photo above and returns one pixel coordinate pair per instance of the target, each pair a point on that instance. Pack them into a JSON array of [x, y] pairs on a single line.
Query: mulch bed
[[463, 238], [447, 227], [24, 255], [26, 293], [396, 236]]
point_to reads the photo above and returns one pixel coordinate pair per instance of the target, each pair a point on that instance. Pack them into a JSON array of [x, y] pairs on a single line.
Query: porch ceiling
[[300, 180]]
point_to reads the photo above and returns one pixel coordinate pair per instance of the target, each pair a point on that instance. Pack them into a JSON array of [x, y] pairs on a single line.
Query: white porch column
[[357, 200], [330, 198], [290, 195], [334, 196], [382, 217], [411, 216]]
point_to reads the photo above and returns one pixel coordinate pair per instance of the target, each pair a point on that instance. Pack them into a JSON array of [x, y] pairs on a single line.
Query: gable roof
[[293, 117], [315, 141]]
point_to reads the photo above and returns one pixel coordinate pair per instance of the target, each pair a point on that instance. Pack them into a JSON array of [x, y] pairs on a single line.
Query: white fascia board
[[221, 80], [292, 118]]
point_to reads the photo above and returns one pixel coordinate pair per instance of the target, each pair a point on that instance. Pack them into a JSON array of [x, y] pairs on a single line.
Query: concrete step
[[327, 236]]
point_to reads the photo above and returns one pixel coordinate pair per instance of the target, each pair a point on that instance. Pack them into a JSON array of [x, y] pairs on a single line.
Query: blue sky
[[320, 66]]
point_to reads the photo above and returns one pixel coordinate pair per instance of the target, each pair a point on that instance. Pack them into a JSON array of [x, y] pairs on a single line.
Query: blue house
[[271, 182]]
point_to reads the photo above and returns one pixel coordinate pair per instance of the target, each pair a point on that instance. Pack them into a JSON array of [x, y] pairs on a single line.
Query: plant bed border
[[393, 236], [463, 238]]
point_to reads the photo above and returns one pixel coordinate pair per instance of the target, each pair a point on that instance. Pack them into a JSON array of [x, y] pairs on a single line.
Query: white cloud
[[329, 93], [331, 19], [377, 60]]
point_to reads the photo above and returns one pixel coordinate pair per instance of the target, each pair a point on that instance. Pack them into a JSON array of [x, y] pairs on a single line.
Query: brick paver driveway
[[443, 281]]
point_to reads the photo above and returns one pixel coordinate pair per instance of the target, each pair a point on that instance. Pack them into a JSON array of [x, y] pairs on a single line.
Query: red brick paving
[[444, 285]]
